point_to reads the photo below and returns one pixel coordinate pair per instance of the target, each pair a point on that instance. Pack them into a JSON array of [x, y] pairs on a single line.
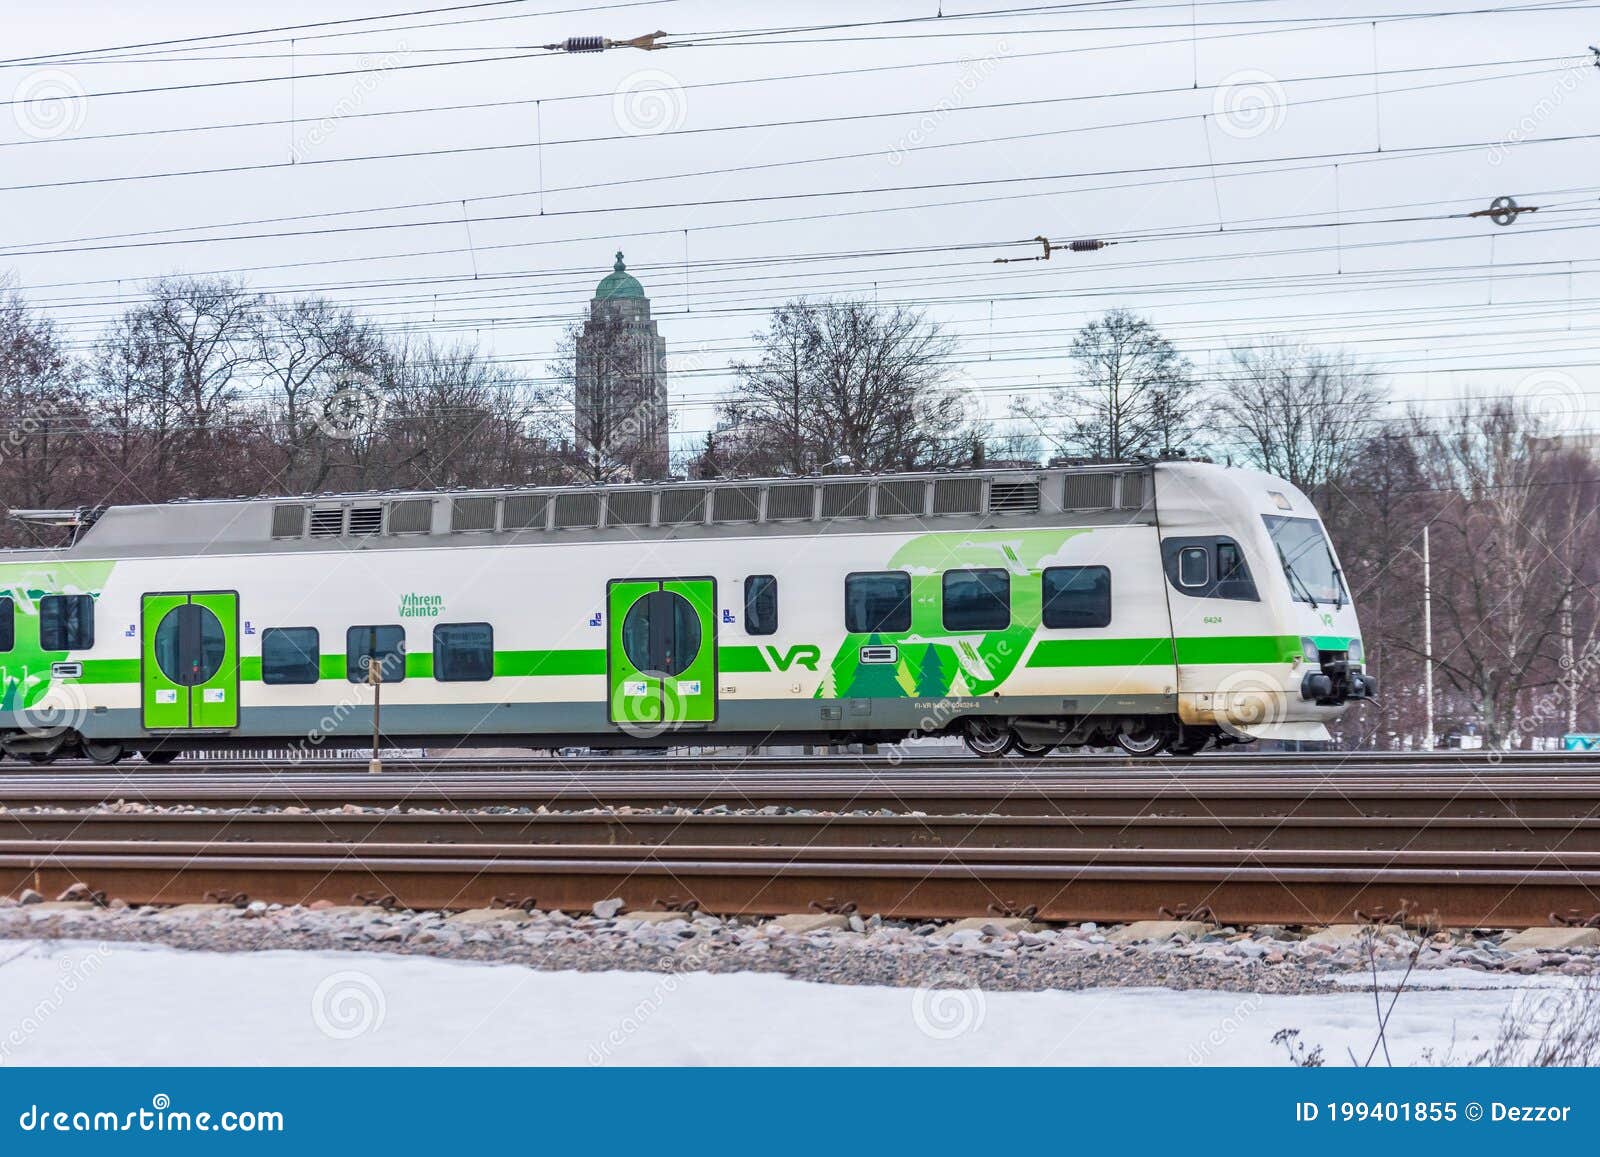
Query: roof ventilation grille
[[1135, 491], [327, 522], [366, 519], [683, 506], [577, 510], [288, 521], [736, 504], [524, 511], [791, 500], [958, 496], [628, 508], [411, 516], [1088, 492], [467, 514], [1014, 498], [845, 500], [902, 499]]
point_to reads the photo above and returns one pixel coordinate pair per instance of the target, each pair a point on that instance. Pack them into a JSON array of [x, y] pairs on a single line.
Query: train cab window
[[385, 646], [1209, 567], [761, 604], [66, 622], [1076, 597], [8, 624], [876, 601], [463, 652], [290, 655], [977, 600]]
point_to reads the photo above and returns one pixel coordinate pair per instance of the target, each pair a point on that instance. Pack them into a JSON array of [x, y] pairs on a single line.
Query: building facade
[[620, 388]]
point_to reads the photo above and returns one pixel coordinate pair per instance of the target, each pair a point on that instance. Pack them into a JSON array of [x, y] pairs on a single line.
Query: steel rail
[[1534, 797], [1484, 889], [1128, 831]]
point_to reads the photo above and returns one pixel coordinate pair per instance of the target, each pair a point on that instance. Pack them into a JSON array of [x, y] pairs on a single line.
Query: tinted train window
[[290, 655], [463, 652], [877, 601], [66, 622], [760, 604], [385, 646], [977, 600], [8, 624], [1208, 568], [1077, 596]]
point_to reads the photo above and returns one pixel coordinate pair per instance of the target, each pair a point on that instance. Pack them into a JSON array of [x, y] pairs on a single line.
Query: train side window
[[66, 622], [876, 601], [385, 646], [1076, 597], [8, 624], [291, 655], [463, 652], [1194, 566], [1208, 567], [761, 604], [977, 600]]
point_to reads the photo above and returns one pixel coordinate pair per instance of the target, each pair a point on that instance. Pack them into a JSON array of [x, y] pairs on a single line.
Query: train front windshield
[[1307, 560]]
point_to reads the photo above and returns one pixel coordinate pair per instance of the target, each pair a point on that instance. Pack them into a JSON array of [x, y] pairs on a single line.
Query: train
[[1159, 607]]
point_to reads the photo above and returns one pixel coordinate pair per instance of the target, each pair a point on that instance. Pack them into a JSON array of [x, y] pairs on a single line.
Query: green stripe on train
[[1102, 653], [1198, 650], [741, 660]]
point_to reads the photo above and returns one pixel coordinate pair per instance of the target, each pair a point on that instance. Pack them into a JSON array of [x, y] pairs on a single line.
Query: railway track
[[1473, 889], [1472, 842]]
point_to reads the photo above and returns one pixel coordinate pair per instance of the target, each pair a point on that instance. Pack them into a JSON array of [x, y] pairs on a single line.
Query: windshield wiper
[[1338, 584], [1294, 577]]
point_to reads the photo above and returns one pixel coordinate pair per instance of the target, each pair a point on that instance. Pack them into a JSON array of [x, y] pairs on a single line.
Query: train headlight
[[1358, 653], [1310, 650]]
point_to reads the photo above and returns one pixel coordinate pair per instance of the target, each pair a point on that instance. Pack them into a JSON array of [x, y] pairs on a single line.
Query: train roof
[[1108, 494]]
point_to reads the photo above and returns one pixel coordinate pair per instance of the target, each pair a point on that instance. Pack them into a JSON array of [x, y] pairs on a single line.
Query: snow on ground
[[78, 1003]]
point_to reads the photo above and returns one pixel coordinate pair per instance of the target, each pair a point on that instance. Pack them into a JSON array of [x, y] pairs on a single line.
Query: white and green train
[[1159, 607]]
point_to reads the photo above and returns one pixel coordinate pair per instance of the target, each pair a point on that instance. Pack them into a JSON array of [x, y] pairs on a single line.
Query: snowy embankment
[[82, 1003]]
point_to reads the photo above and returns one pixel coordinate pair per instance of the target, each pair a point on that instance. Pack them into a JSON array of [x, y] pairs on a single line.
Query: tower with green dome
[[620, 395]]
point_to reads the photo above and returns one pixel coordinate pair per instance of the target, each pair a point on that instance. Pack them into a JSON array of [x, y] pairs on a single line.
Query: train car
[[1160, 607]]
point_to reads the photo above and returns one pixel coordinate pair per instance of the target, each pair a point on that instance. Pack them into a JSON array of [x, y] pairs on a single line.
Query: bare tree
[[1515, 531], [43, 417], [319, 367], [456, 418], [850, 384], [1303, 412], [1133, 395]]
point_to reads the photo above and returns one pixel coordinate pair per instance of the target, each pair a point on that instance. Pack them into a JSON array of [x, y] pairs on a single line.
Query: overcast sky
[[1049, 122]]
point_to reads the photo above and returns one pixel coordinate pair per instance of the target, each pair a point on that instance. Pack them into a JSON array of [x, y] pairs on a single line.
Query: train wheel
[[990, 740], [1150, 741], [159, 757], [103, 752], [1032, 750]]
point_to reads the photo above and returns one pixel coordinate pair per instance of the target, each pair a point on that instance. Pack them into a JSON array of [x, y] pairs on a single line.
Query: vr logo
[[800, 655]]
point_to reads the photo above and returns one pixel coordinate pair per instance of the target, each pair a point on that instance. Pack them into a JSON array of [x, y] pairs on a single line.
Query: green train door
[[189, 674], [661, 653]]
